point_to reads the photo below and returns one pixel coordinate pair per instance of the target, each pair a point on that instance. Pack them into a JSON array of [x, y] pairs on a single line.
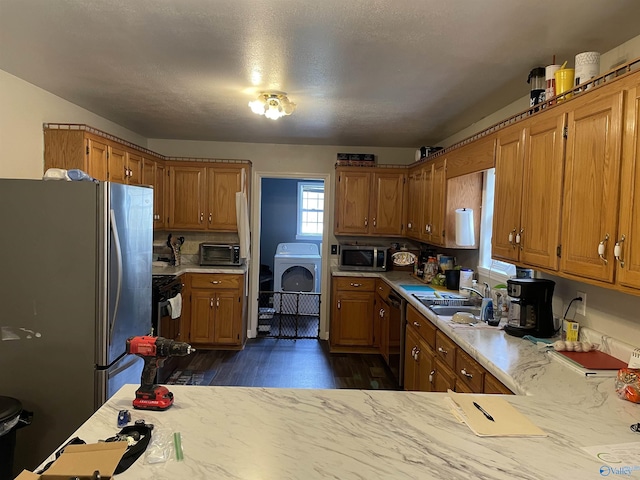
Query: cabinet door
[[438, 198], [386, 209], [149, 174], [427, 202], [187, 194], [415, 196], [134, 164], [411, 344], [426, 368], [226, 315], [628, 238], [542, 191], [381, 327], [222, 185], [508, 194], [352, 322], [97, 159], [118, 171], [591, 186], [160, 196], [352, 203], [443, 377], [202, 328]]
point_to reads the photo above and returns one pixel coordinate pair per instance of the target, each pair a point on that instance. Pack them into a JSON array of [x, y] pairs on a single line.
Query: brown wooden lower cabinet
[[434, 363], [353, 326], [216, 310]]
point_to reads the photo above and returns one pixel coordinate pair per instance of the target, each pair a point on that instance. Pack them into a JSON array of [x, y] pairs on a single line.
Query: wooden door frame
[[254, 270]]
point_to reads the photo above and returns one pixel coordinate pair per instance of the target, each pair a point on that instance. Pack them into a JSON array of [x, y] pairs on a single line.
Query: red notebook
[[595, 360]]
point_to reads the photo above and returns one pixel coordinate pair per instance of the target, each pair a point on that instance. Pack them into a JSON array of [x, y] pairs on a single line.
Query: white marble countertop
[[279, 434], [257, 433], [190, 268]]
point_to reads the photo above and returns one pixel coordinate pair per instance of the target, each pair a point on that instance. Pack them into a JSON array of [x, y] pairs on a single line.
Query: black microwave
[[363, 258], [214, 254]]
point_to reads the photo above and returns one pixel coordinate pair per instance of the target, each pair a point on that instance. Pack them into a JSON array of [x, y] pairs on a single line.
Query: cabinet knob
[[442, 350], [466, 374], [409, 225], [617, 251]]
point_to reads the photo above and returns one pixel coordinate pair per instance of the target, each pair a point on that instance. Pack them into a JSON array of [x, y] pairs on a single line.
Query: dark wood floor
[[284, 363]]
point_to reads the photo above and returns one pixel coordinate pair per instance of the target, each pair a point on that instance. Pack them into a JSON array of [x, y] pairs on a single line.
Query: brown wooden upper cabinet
[[103, 159], [369, 201], [203, 197], [154, 173], [433, 199], [528, 191]]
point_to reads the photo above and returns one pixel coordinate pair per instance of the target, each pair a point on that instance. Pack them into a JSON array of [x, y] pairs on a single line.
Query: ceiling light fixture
[[272, 105]]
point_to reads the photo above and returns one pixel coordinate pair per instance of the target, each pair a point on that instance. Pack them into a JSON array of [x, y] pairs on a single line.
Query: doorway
[[289, 225]]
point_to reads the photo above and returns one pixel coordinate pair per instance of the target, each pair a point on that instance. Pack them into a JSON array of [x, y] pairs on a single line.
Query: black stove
[[164, 287]]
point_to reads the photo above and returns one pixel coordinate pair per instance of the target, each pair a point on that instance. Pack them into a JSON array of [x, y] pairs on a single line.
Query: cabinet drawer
[[216, 280], [356, 284], [383, 289], [424, 327], [470, 371], [446, 350]]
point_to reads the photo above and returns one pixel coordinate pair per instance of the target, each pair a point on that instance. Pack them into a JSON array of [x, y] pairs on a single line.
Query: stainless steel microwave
[[215, 254], [363, 258]]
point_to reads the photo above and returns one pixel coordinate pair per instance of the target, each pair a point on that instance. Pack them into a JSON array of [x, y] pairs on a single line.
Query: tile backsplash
[[190, 249]]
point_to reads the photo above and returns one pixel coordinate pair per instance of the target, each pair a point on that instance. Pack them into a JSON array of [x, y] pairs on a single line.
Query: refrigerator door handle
[[118, 248]]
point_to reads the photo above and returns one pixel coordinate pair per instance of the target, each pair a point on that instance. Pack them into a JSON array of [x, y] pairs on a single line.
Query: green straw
[[177, 442]]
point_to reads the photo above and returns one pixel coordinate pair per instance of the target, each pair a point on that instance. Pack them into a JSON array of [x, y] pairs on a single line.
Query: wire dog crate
[[289, 314]]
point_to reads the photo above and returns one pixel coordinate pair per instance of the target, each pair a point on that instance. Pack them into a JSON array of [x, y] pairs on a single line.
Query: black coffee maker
[[530, 309]]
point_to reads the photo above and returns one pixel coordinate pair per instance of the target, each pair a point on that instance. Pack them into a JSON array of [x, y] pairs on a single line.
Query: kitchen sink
[[449, 310]]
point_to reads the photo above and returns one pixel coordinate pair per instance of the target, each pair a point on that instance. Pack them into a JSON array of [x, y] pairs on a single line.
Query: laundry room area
[[291, 226]]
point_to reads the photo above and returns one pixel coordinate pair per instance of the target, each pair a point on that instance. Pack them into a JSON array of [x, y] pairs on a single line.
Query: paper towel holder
[[465, 232]]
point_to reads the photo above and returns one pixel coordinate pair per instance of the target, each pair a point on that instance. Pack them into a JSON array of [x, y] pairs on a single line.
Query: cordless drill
[[154, 351]]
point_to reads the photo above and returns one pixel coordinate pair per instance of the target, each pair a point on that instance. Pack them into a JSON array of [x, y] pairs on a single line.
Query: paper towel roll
[[465, 235]]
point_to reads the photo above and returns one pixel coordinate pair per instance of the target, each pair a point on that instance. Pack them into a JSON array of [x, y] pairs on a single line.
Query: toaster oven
[[215, 254]]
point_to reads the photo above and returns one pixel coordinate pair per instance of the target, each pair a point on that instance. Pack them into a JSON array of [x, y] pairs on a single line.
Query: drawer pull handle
[[617, 250], [416, 324], [431, 374], [211, 302], [466, 374], [210, 217], [216, 282], [442, 350], [416, 354], [355, 284], [601, 248], [381, 313]]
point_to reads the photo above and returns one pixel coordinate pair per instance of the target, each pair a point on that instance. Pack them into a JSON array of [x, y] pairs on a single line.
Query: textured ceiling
[[399, 73]]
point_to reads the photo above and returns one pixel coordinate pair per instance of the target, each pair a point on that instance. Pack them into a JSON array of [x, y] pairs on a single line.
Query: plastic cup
[[564, 82]]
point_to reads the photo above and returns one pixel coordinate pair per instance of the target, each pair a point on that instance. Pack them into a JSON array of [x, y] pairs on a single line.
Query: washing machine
[[296, 268]]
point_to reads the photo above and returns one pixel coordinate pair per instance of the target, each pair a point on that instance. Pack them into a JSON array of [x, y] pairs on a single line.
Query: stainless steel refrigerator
[[75, 283]]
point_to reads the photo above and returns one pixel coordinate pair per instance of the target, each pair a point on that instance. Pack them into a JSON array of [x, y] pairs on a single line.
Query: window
[[310, 210], [494, 269]]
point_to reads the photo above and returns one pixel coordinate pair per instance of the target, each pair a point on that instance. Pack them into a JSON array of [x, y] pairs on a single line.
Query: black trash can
[[12, 417]]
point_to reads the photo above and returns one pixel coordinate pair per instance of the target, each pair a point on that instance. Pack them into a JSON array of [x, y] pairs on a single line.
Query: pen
[[485, 413]]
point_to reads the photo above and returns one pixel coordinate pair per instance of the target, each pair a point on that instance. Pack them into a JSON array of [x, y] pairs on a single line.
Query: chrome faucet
[[486, 294]]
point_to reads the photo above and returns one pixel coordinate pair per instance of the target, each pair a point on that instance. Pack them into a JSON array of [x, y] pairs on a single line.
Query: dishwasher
[[396, 331]]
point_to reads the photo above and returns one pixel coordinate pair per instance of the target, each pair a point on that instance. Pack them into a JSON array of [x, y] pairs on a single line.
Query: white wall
[[608, 311], [24, 108]]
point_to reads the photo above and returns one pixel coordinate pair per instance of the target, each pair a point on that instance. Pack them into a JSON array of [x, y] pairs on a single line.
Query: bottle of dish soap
[[486, 312]]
